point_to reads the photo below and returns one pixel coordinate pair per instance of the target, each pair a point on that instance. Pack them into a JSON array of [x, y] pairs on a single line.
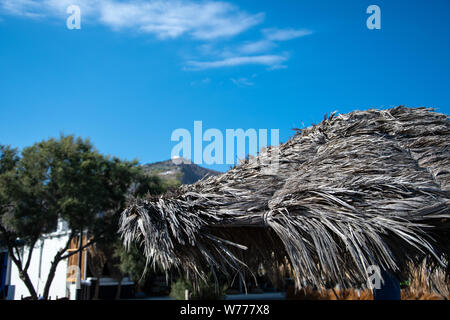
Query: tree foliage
[[132, 263], [68, 180], [206, 290]]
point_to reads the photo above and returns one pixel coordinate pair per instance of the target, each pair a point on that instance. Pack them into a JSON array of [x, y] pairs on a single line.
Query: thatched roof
[[359, 189]]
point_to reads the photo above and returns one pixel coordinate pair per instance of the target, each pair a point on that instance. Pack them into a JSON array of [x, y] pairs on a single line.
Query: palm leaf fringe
[[358, 189]]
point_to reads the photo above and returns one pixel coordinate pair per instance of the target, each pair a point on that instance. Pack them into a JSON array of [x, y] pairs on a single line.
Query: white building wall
[[43, 255]]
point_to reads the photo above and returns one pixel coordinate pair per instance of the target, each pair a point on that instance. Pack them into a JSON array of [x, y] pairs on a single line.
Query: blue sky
[[137, 70]]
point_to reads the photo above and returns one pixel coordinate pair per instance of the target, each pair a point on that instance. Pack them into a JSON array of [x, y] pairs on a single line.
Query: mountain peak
[[179, 170]]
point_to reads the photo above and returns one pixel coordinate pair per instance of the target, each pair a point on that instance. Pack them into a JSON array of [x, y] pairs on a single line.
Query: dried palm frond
[[359, 189]]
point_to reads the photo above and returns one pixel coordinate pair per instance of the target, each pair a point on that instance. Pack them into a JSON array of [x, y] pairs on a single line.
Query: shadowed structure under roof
[[359, 189]]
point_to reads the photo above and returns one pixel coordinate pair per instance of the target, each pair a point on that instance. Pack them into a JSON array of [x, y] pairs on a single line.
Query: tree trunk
[[58, 257], [23, 274], [26, 280], [119, 289], [51, 275], [56, 260]]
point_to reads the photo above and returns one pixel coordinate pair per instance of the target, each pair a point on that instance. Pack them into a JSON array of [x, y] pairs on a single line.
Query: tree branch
[[13, 257], [10, 243], [18, 254], [55, 262], [11, 247], [91, 242], [66, 247], [30, 253]]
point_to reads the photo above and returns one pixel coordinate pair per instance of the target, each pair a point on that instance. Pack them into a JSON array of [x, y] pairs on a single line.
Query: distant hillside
[[184, 173]]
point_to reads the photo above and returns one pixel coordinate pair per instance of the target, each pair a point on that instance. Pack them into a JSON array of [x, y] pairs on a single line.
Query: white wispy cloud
[[204, 20], [45, 8], [171, 19], [256, 46], [251, 52], [272, 37], [266, 60], [24, 8], [203, 82], [242, 82], [274, 34]]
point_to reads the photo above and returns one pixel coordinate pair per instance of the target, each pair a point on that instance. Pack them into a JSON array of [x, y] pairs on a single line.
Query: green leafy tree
[[16, 201], [132, 263], [206, 290], [119, 261], [60, 179]]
